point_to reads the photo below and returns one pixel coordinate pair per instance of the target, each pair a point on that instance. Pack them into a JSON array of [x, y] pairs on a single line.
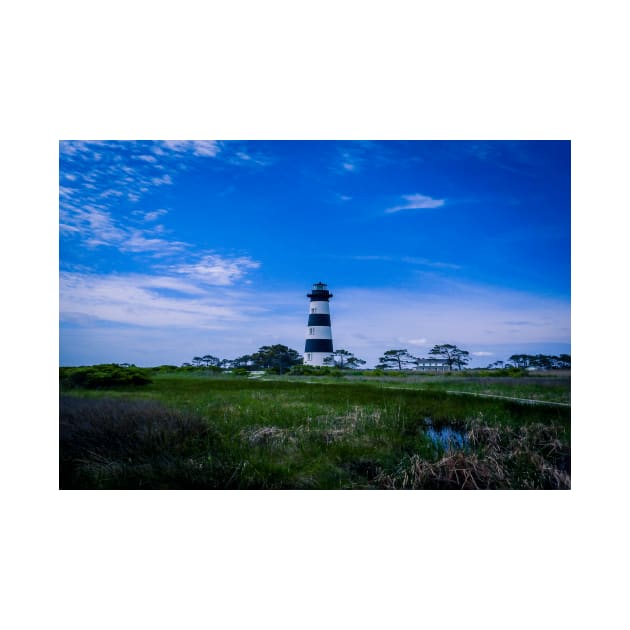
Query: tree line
[[276, 357], [449, 354], [538, 361], [281, 358]]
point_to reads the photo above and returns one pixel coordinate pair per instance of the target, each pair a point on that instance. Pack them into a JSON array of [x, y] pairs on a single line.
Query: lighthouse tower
[[319, 343]]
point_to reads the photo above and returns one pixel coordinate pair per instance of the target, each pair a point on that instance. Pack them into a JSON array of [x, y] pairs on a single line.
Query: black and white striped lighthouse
[[319, 343]]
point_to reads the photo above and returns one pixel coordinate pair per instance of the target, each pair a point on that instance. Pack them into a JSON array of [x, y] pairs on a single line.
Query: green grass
[[551, 389], [231, 432], [546, 387]]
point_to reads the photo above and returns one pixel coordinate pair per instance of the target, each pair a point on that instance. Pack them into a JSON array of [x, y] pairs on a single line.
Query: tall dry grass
[[499, 457], [113, 443]]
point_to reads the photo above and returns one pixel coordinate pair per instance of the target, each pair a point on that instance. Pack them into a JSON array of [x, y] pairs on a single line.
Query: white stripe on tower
[[319, 344]]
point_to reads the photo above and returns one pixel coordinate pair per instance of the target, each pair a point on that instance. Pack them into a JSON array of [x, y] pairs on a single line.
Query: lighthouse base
[[316, 358]]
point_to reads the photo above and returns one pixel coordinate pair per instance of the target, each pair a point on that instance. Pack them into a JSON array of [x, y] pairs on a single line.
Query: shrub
[[317, 370], [104, 375], [165, 368]]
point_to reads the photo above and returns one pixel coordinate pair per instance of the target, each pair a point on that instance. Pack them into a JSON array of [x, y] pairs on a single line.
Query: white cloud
[[155, 214], [164, 179], [199, 148], [217, 270], [249, 158], [206, 148], [375, 257], [139, 300], [482, 353], [353, 157], [410, 260], [425, 262], [137, 241], [68, 229], [417, 202], [99, 176], [178, 146], [95, 225]]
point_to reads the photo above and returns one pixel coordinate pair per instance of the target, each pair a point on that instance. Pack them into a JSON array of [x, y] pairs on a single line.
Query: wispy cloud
[[425, 262], [416, 202], [410, 260], [154, 214], [416, 342], [249, 157], [198, 148], [351, 159], [137, 241], [164, 318], [217, 270], [374, 257], [96, 226], [358, 155], [101, 178], [514, 156], [143, 300], [473, 316]]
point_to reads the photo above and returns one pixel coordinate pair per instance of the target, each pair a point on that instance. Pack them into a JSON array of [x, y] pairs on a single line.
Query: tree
[[462, 358], [521, 360], [242, 362], [564, 361], [541, 361], [209, 360], [197, 361], [397, 359], [276, 357], [451, 354], [497, 365], [343, 359]]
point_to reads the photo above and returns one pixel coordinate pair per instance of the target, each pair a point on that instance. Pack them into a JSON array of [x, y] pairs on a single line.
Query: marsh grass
[[549, 389], [530, 457], [237, 433], [113, 443]]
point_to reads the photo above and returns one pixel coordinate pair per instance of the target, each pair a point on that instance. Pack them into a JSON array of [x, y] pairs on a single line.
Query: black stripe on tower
[[319, 320], [319, 295], [318, 345]]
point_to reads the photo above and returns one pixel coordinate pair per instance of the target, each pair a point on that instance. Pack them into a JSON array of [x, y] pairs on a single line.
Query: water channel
[[445, 438]]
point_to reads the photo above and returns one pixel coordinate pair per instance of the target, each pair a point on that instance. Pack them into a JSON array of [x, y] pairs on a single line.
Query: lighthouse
[[319, 343]]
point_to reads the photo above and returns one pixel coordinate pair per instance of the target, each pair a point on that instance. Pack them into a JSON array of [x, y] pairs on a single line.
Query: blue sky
[[171, 249]]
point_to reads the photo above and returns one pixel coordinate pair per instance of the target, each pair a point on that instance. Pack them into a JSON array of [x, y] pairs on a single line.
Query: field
[[208, 431]]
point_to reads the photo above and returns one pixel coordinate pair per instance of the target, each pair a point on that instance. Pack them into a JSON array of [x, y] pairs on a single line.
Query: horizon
[[174, 249]]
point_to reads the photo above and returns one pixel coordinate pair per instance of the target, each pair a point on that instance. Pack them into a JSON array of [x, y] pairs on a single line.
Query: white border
[[352, 70]]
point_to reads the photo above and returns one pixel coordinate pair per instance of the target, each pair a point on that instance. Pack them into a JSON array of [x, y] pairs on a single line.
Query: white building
[[432, 365]]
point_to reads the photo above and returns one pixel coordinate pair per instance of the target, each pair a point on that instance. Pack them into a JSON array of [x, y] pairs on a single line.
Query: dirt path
[[523, 400]]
